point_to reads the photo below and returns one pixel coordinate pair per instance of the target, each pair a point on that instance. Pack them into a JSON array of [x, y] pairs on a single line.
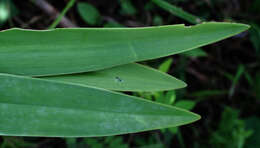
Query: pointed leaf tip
[[36, 107], [77, 50], [130, 77]]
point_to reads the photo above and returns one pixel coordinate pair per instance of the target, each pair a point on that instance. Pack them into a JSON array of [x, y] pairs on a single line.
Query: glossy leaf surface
[[65, 51], [36, 107], [130, 77]]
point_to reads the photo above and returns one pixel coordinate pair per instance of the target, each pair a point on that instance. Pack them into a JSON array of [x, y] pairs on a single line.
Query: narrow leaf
[[65, 51], [130, 77], [36, 107], [186, 104], [195, 53], [165, 66], [174, 10]]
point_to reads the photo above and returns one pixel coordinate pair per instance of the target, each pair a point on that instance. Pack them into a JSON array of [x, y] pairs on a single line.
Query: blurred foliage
[[252, 124], [7, 11], [89, 13], [231, 132], [127, 7], [255, 36], [256, 85]]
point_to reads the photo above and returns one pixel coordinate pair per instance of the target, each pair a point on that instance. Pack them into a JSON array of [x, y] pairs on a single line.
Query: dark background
[[223, 78]]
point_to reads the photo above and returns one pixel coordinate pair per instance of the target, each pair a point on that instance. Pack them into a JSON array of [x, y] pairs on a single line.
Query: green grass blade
[[64, 11], [174, 10], [36, 107], [130, 77], [66, 51]]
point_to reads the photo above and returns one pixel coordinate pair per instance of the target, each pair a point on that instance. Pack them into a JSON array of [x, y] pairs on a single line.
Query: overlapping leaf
[[35, 107], [130, 77], [70, 106]]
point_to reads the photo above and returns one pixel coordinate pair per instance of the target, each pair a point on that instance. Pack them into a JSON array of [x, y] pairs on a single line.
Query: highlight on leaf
[[61, 80], [70, 110], [76, 50], [130, 77]]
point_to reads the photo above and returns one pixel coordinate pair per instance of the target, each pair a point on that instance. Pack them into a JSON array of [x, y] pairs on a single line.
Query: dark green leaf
[[88, 13]]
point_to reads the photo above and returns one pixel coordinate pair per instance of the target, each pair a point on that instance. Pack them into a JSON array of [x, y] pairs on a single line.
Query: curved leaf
[[36, 107], [130, 77], [65, 51]]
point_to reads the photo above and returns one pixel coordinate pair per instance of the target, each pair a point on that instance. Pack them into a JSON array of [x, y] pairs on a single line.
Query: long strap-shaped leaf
[[36, 107], [130, 77], [65, 51]]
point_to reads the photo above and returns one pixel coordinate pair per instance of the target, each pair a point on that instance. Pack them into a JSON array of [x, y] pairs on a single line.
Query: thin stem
[[64, 11], [51, 11]]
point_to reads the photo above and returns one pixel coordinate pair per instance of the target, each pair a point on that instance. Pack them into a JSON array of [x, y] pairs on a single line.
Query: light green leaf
[[186, 104], [165, 66], [88, 13], [36, 107], [66, 51], [4, 11], [130, 77], [195, 53]]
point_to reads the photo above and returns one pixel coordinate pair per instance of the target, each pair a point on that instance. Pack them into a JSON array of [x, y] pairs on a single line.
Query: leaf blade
[[66, 51], [130, 77], [36, 107]]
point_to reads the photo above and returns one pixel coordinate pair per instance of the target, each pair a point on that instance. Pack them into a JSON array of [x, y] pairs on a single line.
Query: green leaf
[[240, 72], [257, 85], [93, 143], [66, 51], [36, 107], [88, 13], [4, 11], [195, 53], [185, 104], [231, 131], [252, 123], [71, 142], [170, 96], [130, 77], [127, 8], [174, 10], [255, 36], [174, 130], [165, 66], [157, 20], [68, 6]]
